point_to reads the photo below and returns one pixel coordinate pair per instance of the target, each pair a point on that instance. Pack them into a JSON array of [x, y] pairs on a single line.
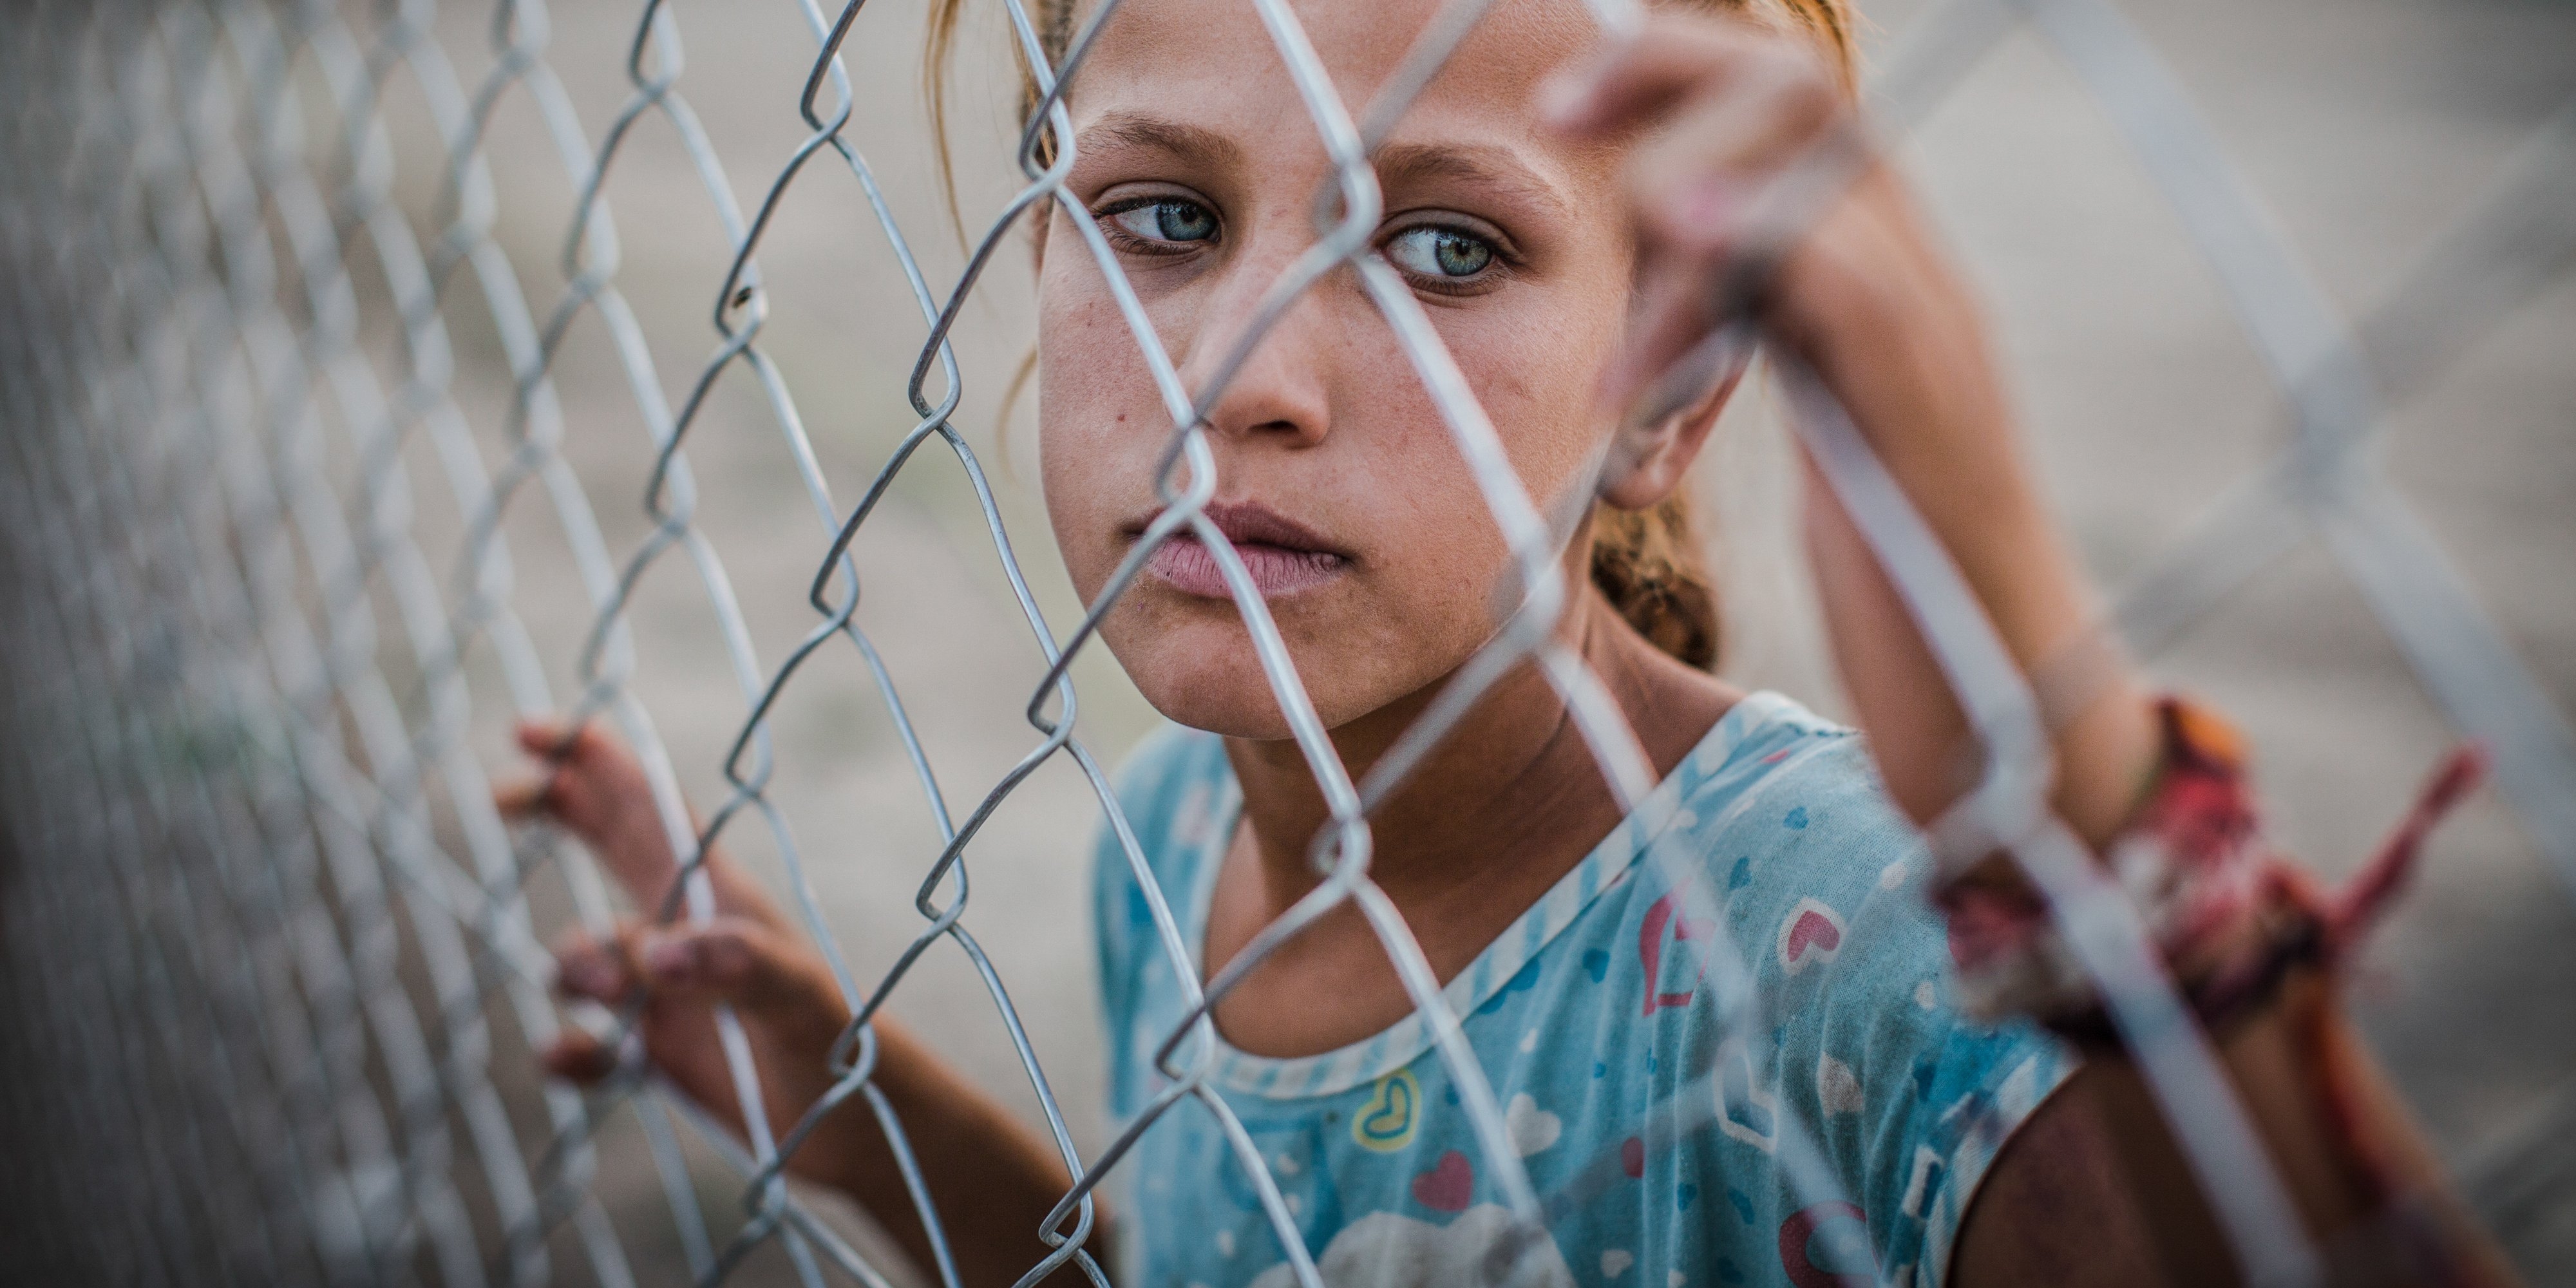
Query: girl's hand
[[1748, 138], [747, 957], [1750, 145], [992, 1179]]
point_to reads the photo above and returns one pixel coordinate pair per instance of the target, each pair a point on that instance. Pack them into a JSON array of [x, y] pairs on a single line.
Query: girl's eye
[[1436, 252], [1167, 220]]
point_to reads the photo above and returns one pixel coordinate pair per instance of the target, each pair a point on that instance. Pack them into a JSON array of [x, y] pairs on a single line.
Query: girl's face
[[1336, 478]]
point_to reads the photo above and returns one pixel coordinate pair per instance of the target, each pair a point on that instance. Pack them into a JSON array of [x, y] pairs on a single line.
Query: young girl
[[1561, 210]]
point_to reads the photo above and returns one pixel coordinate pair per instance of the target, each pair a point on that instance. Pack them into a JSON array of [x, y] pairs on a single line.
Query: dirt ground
[[2364, 125]]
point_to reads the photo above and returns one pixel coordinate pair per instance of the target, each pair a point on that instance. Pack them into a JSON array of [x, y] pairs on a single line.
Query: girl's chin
[[1230, 706], [1194, 660], [1206, 675]]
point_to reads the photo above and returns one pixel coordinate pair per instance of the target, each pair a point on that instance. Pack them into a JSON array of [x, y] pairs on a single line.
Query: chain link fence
[[299, 508]]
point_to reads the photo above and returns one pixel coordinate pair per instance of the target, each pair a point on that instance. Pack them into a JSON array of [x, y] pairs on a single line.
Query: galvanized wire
[[274, 963]]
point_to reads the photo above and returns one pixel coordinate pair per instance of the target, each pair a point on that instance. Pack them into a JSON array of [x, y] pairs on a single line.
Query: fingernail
[[725, 958], [588, 976], [669, 959], [1703, 210]]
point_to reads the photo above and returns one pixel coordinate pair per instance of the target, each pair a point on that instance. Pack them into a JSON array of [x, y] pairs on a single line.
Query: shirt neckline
[[1603, 868]]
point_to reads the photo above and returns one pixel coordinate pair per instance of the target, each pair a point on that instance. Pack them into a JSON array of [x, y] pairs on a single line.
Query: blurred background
[[2364, 126]]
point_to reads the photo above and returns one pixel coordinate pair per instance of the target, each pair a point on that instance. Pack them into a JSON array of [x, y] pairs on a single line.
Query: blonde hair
[[1650, 564]]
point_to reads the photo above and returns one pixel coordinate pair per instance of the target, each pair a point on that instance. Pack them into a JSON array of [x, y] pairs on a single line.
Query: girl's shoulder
[[1770, 777], [1781, 827], [1771, 774], [1175, 791], [1153, 861]]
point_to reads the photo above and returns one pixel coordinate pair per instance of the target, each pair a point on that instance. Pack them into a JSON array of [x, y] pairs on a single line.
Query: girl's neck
[[1512, 794]]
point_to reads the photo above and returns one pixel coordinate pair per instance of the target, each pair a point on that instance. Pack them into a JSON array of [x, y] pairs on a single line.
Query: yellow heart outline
[[1387, 1121]]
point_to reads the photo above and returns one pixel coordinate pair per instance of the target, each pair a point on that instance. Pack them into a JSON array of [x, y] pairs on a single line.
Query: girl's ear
[[1647, 460]]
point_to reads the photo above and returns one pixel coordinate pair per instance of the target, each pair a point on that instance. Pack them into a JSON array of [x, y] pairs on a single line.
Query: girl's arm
[[991, 1180], [2092, 1189]]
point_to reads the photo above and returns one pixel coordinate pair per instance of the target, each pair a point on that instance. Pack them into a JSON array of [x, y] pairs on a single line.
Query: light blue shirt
[[1655, 1135]]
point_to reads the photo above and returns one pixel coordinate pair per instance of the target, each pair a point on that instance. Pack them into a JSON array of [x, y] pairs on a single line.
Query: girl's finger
[[544, 737], [523, 797], [599, 792], [1705, 253], [1641, 78], [578, 1057], [1691, 183], [593, 971], [596, 789], [1674, 311], [738, 961]]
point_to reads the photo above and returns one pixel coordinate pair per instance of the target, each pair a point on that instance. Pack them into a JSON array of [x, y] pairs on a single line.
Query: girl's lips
[[1282, 555], [1185, 564]]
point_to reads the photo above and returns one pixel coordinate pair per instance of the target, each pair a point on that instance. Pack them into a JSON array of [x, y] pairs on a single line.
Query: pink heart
[[1813, 931], [1448, 1185], [1797, 1255], [1650, 949]]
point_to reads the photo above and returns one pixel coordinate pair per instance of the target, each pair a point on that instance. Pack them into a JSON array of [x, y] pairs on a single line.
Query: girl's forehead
[[1215, 59]]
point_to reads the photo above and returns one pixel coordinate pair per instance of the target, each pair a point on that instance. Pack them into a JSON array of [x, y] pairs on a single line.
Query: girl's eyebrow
[[1483, 165], [1195, 144], [1397, 163]]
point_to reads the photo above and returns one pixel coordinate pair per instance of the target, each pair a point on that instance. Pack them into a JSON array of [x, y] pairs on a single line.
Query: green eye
[[1171, 220], [1433, 251]]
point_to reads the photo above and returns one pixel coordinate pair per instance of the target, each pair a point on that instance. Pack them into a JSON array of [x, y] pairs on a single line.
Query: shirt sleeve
[[1160, 783], [1114, 894], [1907, 1099]]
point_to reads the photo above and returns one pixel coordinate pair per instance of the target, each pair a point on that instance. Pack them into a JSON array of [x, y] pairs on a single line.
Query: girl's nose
[[1281, 389]]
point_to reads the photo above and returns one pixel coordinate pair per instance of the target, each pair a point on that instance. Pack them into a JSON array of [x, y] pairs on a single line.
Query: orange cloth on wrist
[[2228, 914]]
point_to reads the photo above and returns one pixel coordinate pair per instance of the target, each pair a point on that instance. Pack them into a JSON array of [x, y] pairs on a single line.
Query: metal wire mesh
[[275, 962]]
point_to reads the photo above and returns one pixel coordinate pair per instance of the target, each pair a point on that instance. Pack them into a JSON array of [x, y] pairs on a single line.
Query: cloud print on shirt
[[1480, 1249]]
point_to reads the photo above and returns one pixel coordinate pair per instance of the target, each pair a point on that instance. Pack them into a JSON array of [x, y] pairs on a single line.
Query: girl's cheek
[[1539, 401], [1088, 470]]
